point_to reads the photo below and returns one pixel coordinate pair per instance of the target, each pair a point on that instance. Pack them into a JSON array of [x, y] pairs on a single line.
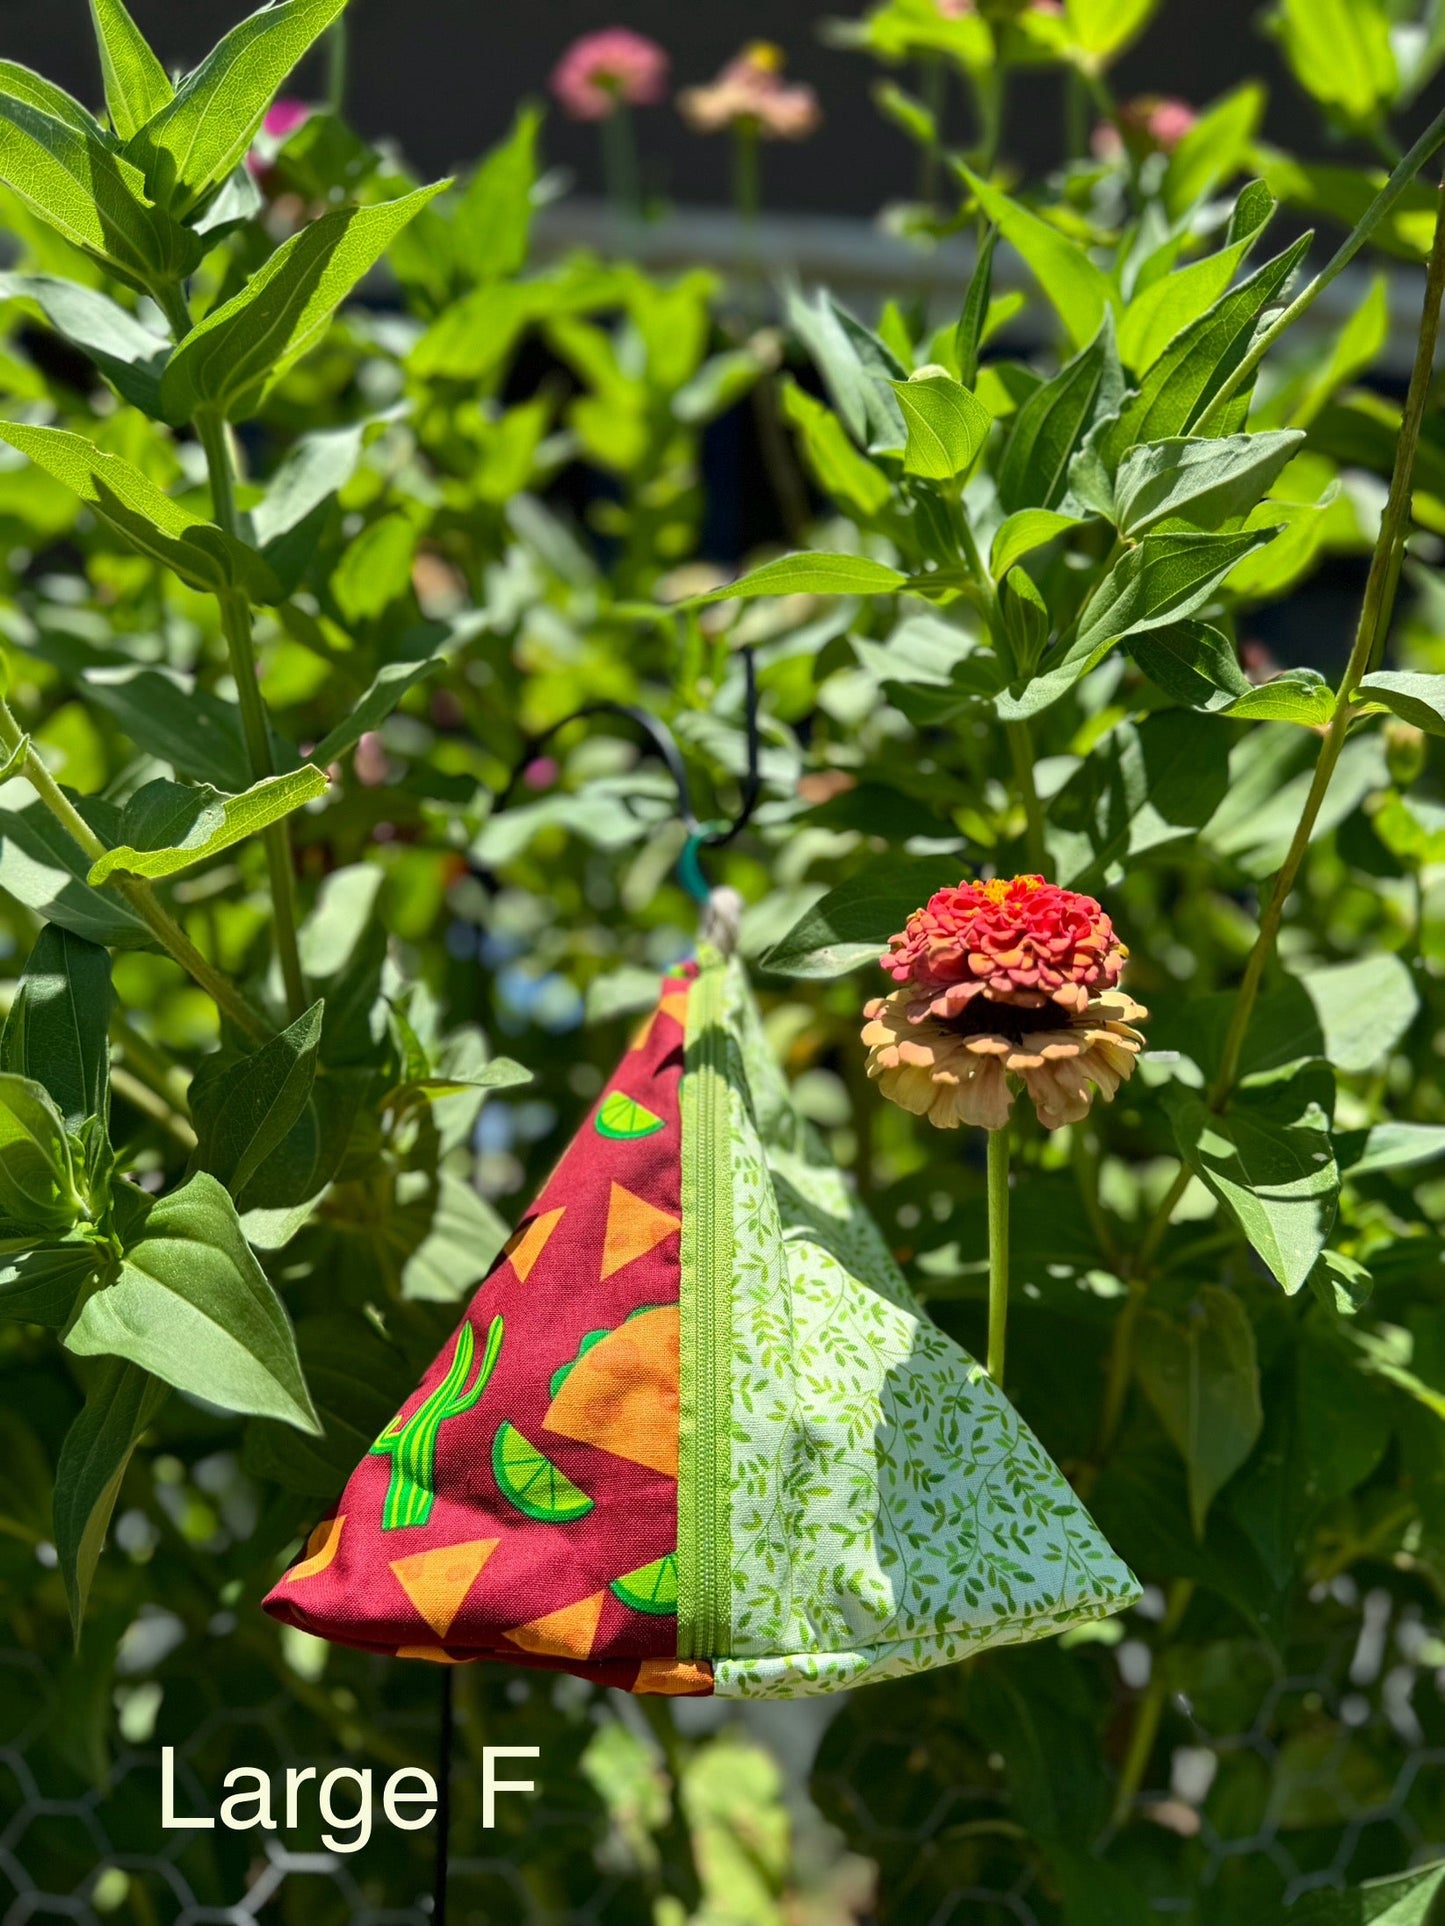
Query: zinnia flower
[[999, 981], [751, 90], [1152, 124], [604, 71]]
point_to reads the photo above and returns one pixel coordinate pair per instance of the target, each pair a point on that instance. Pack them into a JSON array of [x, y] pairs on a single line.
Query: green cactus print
[[412, 1446]]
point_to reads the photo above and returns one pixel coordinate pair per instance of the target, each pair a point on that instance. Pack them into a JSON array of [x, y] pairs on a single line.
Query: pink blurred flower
[[369, 761], [541, 772], [751, 91], [604, 71], [1152, 124], [283, 117]]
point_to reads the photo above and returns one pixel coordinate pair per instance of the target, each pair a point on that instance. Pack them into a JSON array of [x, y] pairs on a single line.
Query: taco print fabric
[[693, 1434]]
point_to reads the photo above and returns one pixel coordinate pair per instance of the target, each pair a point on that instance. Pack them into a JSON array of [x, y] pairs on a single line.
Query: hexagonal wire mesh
[[1265, 1783]]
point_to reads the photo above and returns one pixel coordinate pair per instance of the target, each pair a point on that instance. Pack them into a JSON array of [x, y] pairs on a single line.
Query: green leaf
[[1162, 309], [1201, 1374], [856, 367], [1357, 347], [1101, 29], [836, 465], [1409, 694], [1203, 482], [1022, 533], [192, 1305], [38, 1194], [1363, 1008], [968, 335], [136, 84], [1176, 392], [194, 141], [1193, 663], [121, 1401], [1389, 1146], [313, 468], [388, 686], [172, 826], [1146, 786], [204, 556], [1404, 1899], [24, 84], [358, 1381], [851, 925], [1269, 1161], [58, 1029], [492, 221], [237, 354], [809, 574], [40, 1285], [1216, 147], [1296, 695], [1034, 471], [127, 354], [1163, 579], [71, 178], [1341, 1284], [164, 713], [375, 570], [947, 425], [244, 1110], [1341, 53], [42, 866], [462, 1237], [1078, 290]]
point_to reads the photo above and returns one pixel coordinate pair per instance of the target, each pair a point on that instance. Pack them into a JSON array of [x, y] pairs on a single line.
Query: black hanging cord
[[700, 835], [444, 1800]]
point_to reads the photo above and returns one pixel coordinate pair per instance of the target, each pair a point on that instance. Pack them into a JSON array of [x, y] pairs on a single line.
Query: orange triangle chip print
[[321, 1548], [565, 1634], [674, 1678], [437, 1582], [634, 1227], [530, 1242], [621, 1394]]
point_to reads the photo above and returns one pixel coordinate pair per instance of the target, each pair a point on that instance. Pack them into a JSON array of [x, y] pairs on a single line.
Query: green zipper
[[704, 1491]]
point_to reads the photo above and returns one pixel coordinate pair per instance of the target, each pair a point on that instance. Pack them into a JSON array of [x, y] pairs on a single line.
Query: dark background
[[442, 77]]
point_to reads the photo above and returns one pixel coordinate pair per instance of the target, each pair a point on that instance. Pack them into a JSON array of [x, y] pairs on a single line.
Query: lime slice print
[[623, 1116], [651, 1588], [533, 1483]]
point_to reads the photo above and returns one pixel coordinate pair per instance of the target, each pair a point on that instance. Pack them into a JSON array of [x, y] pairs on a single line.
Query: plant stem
[[747, 173], [1021, 747], [1375, 613], [336, 66], [236, 627], [998, 1203], [1151, 1708], [167, 932], [619, 162], [933, 85], [1428, 144]]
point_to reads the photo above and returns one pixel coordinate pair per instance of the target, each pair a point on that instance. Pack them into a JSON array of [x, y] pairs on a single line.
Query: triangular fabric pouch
[[693, 1434]]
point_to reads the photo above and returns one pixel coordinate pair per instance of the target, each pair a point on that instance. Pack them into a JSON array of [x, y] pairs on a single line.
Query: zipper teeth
[[709, 1274]]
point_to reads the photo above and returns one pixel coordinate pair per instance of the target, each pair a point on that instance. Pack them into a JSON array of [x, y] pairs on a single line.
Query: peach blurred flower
[[610, 69], [1003, 983], [751, 91], [1152, 124], [960, 9]]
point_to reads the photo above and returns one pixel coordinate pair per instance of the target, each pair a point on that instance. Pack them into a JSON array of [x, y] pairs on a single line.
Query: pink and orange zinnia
[[1003, 984]]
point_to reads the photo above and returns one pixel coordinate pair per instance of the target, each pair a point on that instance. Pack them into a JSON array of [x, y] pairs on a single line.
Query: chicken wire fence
[[1319, 1778]]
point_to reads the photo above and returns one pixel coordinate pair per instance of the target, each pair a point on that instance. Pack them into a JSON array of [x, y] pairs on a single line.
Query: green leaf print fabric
[[887, 1508]]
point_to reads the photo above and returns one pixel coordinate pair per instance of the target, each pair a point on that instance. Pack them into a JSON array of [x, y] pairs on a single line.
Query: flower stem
[[167, 932], [998, 1201], [337, 63], [619, 162], [255, 726], [1021, 747], [1375, 613]]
